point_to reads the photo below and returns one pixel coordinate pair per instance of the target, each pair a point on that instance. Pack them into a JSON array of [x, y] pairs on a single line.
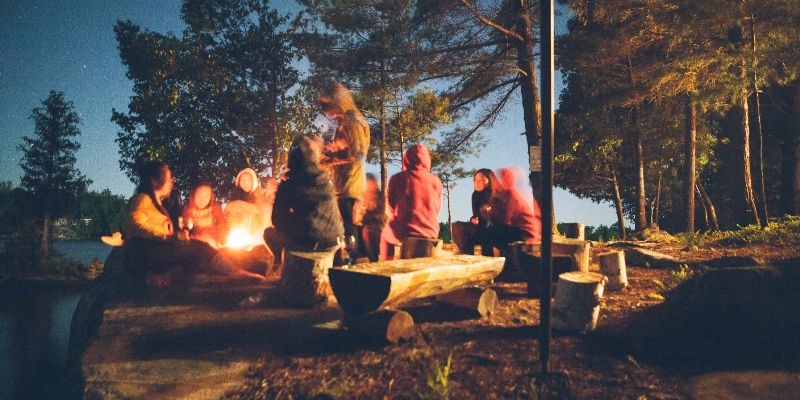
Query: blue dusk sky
[[70, 46]]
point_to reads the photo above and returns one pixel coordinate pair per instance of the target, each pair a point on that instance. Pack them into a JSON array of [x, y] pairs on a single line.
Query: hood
[[252, 173], [303, 159], [417, 157]]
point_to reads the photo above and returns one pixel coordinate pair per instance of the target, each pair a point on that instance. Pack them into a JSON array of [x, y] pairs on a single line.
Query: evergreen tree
[[209, 103], [48, 163]]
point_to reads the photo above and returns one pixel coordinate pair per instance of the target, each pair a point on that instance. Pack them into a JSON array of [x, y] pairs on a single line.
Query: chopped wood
[[482, 301], [612, 265], [577, 302]]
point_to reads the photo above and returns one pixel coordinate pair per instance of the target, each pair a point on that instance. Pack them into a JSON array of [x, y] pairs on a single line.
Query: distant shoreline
[[42, 281]]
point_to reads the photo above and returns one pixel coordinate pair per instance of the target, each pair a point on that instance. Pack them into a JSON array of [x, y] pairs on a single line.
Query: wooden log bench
[[371, 294]]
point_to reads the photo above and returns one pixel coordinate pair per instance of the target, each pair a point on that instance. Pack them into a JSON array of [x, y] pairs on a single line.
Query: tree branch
[[491, 23]]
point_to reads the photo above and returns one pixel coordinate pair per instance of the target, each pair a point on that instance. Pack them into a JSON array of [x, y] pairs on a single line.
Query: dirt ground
[[458, 357]]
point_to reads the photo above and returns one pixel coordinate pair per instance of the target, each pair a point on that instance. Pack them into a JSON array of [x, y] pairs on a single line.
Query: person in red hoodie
[[514, 216], [414, 199]]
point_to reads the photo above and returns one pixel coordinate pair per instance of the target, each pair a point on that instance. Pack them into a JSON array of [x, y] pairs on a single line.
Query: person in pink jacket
[[414, 199]]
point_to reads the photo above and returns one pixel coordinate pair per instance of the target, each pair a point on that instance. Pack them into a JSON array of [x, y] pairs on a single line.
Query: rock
[[649, 259]]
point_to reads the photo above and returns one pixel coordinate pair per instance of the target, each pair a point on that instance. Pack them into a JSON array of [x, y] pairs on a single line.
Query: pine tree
[[49, 163]]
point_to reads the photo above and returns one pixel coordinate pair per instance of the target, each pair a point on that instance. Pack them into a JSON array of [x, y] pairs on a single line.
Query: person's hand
[[183, 235], [473, 220]]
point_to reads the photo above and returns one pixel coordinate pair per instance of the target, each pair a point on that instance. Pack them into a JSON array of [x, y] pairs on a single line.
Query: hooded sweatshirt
[[415, 196], [515, 209], [306, 215]]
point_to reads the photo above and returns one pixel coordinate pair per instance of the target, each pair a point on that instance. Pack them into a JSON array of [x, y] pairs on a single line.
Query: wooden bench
[[371, 293]]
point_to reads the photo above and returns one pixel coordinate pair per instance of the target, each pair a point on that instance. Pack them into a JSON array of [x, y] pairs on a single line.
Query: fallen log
[[482, 301], [367, 287], [382, 325]]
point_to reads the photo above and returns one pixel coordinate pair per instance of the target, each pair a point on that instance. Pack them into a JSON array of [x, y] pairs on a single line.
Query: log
[[612, 265], [366, 287], [383, 325], [419, 247], [482, 301], [304, 278], [577, 250], [574, 230], [577, 303]]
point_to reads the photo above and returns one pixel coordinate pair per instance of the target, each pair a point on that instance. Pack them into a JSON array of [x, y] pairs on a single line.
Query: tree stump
[[419, 247], [612, 265], [482, 301], [304, 278], [577, 303], [382, 325], [575, 230]]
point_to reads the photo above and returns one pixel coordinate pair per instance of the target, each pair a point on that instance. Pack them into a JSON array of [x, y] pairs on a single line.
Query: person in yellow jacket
[[151, 242], [346, 155]]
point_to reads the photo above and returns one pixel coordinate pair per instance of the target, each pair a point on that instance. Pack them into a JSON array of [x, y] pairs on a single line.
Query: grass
[[783, 232], [439, 381]]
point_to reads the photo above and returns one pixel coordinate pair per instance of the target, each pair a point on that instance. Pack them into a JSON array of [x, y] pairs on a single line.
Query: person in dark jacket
[[305, 216], [468, 234], [414, 199]]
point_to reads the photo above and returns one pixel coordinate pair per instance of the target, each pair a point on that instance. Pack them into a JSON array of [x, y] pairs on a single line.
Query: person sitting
[[305, 216], [152, 245], [468, 234], [513, 216], [250, 207], [373, 218], [414, 199], [203, 217]]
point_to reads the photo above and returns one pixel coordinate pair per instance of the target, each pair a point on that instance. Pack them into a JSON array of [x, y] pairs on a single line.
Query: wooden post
[[304, 279], [419, 247], [577, 302], [479, 300], [382, 325], [574, 230], [612, 265]]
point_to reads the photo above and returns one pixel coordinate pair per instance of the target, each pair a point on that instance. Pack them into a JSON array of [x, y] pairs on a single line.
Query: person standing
[[346, 155]]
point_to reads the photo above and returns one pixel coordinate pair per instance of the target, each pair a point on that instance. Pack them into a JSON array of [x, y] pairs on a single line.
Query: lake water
[[34, 329]]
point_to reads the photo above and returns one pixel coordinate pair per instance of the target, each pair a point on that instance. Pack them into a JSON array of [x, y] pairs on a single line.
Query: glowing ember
[[240, 238]]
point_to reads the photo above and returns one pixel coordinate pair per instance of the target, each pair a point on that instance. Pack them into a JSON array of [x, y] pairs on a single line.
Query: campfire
[[241, 238]]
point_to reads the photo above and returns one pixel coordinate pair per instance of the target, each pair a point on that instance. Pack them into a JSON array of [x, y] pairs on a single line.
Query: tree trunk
[[618, 205], [746, 175], [384, 144], [44, 249], [790, 157], [640, 219], [759, 142], [711, 210], [706, 216], [449, 214], [656, 203], [690, 161], [531, 105]]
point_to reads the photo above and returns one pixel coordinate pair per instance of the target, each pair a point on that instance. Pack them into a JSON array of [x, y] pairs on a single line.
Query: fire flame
[[240, 238]]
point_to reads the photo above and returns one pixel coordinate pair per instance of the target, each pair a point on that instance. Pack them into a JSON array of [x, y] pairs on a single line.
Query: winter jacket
[[349, 178], [305, 215], [206, 222], [144, 219], [415, 196]]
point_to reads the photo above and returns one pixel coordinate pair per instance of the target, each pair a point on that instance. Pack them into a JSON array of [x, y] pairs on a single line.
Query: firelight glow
[[240, 238]]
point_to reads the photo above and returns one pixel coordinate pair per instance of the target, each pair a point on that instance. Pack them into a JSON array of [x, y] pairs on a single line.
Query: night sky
[[70, 46]]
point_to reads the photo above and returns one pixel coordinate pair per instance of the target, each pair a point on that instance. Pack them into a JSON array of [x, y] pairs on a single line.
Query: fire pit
[[249, 252]]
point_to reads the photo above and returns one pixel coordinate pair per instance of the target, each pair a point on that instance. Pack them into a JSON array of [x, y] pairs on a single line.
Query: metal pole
[[547, 66]]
